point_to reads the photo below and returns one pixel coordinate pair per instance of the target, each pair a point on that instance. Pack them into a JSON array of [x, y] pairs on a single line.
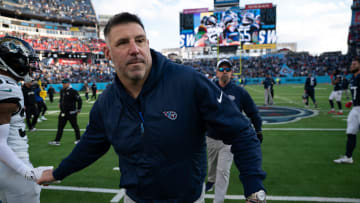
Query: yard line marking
[[269, 129], [305, 129], [119, 196], [81, 189], [121, 192]]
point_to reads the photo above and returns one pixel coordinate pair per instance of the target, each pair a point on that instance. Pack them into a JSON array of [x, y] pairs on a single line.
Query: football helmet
[[211, 20], [228, 20], [17, 57], [248, 18]]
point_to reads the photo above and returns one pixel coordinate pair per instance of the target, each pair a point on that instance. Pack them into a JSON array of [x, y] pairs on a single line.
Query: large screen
[[252, 28]]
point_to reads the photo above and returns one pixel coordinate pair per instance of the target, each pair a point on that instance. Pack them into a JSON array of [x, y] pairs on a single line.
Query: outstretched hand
[[46, 177]]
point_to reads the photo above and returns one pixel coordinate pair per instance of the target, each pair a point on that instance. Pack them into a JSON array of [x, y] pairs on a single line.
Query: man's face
[[128, 49], [355, 66], [224, 73], [65, 85]]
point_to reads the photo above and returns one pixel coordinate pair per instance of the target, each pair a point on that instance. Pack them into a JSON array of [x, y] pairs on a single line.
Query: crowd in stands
[[302, 64], [67, 9], [83, 45], [76, 73], [252, 67]]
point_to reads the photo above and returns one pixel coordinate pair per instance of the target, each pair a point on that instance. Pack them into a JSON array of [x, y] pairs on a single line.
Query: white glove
[[35, 173]]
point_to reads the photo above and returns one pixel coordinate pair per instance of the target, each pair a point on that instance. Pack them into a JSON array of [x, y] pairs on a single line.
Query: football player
[[17, 175], [336, 93], [248, 31], [353, 119]]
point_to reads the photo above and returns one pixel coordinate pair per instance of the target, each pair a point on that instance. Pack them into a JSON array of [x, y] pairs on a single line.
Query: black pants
[[93, 95], [63, 118], [87, 96], [51, 97], [42, 108], [31, 111], [310, 93]]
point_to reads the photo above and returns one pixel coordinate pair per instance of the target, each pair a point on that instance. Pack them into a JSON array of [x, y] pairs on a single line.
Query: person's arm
[[7, 155], [228, 124], [78, 100], [252, 112], [92, 146]]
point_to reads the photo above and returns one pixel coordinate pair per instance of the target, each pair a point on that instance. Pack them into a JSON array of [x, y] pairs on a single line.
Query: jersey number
[[354, 88]]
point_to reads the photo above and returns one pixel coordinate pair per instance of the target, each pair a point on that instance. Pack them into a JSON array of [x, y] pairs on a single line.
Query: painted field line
[[81, 189], [120, 194], [304, 129], [269, 129]]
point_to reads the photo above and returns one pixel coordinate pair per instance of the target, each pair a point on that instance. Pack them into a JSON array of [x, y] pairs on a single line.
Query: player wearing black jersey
[[309, 88], [353, 120], [336, 93]]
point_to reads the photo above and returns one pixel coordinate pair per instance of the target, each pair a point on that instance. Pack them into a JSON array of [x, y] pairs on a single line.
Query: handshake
[[35, 173]]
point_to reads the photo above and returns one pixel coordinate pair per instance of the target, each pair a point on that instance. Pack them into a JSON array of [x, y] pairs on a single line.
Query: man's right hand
[[259, 136], [46, 177]]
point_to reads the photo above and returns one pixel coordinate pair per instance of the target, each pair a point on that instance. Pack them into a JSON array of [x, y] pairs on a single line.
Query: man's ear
[[107, 53]]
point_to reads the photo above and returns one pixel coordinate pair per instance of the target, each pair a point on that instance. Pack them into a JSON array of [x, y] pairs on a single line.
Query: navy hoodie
[[159, 136]]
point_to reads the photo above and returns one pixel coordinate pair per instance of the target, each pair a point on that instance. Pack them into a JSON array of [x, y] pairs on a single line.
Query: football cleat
[[55, 143], [344, 159], [331, 112], [340, 113], [43, 118]]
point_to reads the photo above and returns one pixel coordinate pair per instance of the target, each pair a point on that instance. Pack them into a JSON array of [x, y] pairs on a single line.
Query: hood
[[157, 70]]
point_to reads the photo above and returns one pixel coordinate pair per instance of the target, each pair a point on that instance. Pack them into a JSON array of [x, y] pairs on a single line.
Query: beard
[[225, 79], [354, 70]]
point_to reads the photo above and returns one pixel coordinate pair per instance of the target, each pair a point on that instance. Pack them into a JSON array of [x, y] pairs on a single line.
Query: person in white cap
[[220, 157]]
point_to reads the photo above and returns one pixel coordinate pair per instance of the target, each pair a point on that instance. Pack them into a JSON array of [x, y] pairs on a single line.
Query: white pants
[[201, 199], [14, 188], [220, 159], [335, 95], [353, 121]]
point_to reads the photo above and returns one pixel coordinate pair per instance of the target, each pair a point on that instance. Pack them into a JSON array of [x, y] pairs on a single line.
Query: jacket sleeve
[[228, 124], [250, 109], [78, 100], [92, 146]]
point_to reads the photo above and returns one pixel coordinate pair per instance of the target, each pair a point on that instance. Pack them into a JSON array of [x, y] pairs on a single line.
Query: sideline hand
[[46, 177]]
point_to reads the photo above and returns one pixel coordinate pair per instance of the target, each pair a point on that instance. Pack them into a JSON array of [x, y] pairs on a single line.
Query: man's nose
[[134, 49]]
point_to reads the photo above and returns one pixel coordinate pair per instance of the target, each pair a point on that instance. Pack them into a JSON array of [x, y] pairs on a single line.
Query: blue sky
[[316, 25]]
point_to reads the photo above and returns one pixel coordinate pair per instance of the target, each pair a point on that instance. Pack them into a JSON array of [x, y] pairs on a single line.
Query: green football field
[[297, 156]]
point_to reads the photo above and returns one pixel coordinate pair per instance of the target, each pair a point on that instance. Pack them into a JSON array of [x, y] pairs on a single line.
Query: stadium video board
[[253, 27]]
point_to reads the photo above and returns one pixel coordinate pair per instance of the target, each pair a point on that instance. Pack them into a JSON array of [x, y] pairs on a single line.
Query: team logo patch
[[281, 114], [231, 97], [172, 115]]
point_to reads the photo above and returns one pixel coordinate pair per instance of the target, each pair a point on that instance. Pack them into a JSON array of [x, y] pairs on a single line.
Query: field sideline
[[296, 156]]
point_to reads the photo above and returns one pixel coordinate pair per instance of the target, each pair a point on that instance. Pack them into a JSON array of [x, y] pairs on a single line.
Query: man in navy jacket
[[219, 154], [154, 115]]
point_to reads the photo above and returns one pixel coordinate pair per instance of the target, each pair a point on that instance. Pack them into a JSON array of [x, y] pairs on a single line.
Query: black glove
[[259, 136]]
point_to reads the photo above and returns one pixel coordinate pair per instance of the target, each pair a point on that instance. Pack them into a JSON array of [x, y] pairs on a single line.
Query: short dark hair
[[121, 18], [356, 58]]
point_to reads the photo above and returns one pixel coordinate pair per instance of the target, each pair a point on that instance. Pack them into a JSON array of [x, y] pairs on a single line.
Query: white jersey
[[17, 139]]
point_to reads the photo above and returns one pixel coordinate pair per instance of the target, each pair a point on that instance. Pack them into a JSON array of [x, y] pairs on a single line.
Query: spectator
[[51, 92]]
